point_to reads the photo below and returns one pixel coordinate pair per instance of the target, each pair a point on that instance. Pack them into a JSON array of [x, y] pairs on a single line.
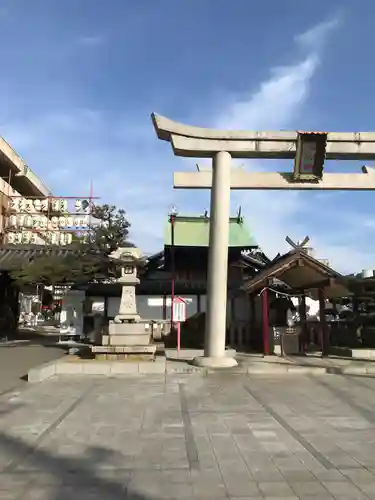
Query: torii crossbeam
[[240, 179]]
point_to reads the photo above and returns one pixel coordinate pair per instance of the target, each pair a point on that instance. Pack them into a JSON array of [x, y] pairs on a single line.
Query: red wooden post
[[178, 338], [303, 321], [265, 315], [172, 220]]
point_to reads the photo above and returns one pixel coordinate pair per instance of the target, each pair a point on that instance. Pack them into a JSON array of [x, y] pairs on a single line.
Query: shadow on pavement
[[17, 357], [34, 472]]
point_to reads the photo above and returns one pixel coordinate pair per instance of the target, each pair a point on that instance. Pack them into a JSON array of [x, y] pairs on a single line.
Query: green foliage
[[88, 258], [113, 228]]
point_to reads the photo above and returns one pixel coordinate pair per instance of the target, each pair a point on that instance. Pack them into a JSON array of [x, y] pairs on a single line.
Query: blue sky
[[82, 77]]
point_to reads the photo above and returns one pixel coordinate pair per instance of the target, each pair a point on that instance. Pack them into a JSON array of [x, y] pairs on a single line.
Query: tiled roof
[[299, 271], [14, 255]]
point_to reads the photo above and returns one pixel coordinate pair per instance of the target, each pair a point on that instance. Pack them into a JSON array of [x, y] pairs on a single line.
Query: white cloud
[[315, 38], [272, 215], [277, 100], [274, 106]]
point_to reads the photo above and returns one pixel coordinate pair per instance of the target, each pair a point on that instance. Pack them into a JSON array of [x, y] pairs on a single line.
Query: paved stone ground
[[190, 437], [16, 359]]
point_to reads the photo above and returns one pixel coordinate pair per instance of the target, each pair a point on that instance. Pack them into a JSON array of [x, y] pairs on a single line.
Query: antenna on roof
[[198, 168], [239, 214]]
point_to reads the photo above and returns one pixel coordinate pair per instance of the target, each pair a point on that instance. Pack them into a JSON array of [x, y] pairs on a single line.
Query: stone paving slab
[[189, 437]]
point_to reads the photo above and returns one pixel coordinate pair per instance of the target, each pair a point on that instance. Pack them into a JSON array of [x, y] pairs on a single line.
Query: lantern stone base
[[141, 328], [127, 334], [126, 340], [130, 353]]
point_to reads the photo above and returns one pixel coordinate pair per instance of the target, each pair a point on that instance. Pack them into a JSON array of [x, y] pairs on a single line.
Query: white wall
[[242, 308], [147, 311]]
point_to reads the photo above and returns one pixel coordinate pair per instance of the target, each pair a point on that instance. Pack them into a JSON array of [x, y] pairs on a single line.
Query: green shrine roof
[[194, 232]]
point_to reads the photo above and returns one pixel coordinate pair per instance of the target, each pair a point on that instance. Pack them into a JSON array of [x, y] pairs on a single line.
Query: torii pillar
[[216, 309], [221, 146], [216, 305]]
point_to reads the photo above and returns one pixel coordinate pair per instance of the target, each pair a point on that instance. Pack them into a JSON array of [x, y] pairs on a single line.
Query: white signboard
[[155, 302], [179, 310], [159, 301]]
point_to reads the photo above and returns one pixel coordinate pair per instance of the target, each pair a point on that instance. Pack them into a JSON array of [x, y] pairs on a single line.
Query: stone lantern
[[128, 334]]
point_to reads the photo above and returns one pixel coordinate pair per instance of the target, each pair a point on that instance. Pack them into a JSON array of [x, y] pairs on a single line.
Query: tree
[[87, 259], [112, 231]]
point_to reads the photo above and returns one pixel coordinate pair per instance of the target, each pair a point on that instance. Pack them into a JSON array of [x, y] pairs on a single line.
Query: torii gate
[[309, 151]]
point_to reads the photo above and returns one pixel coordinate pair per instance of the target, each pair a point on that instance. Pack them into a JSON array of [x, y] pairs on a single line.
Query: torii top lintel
[[198, 142]]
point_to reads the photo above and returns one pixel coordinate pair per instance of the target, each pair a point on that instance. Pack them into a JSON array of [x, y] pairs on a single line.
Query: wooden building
[[182, 265], [293, 274]]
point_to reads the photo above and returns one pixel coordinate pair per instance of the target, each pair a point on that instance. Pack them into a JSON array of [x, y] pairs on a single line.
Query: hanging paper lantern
[[15, 204], [12, 221], [78, 205], [17, 238], [54, 222], [11, 238], [29, 205], [28, 221], [63, 205], [22, 205], [37, 205], [26, 237]]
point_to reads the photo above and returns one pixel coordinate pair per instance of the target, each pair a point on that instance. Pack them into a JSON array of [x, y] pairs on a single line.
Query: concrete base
[[125, 349], [190, 354], [124, 357], [127, 334], [271, 366], [112, 353], [210, 362], [114, 368], [128, 328], [358, 353], [125, 340]]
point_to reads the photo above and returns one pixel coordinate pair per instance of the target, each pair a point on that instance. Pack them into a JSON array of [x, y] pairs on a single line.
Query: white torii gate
[[222, 146]]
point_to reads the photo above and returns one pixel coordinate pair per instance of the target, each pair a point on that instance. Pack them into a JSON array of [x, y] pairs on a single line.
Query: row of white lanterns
[[50, 238], [44, 205], [43, 222]]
